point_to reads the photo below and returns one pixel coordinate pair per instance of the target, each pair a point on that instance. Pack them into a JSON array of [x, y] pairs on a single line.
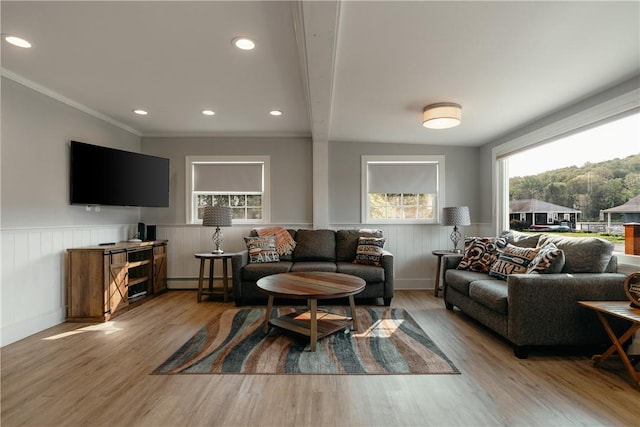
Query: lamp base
[[217, 251]]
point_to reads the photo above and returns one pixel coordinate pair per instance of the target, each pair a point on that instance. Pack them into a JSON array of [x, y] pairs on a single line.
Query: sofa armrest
[[386, 261], [543, 308], [238, 261], [450, 261]]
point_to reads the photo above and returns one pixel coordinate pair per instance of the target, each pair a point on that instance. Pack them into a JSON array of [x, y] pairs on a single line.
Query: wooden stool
[[225, 291]]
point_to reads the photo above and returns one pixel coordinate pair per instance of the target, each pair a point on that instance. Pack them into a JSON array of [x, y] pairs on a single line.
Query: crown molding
[[70, 102]]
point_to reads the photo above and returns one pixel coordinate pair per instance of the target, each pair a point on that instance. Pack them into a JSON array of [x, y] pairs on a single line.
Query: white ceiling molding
[[70, 102]]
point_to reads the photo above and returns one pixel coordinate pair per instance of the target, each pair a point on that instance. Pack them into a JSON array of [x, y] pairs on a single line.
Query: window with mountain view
[[569, 182]]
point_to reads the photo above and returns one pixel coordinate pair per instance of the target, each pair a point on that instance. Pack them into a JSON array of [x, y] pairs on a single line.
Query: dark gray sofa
[[316, 250], [541, 309]]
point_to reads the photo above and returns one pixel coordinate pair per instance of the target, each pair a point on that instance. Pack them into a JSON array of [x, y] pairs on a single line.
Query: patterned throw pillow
[[548, 260], [480, 253], [262, 249], [513, 260], [369, 250]]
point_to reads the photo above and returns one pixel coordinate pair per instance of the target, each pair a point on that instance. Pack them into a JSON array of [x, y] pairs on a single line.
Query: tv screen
[[107, 176]]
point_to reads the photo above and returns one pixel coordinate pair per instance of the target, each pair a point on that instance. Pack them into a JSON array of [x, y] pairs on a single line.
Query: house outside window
[[402, 189], [239, 182]]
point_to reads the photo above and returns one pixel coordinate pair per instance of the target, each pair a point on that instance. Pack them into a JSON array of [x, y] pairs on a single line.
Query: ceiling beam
[[316, 28]]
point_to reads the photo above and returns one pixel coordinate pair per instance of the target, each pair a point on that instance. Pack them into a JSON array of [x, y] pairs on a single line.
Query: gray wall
[[38, 223], [291, 173], [36, 131], [461, 175]]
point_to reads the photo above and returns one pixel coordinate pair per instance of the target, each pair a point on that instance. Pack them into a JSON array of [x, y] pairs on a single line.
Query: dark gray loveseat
[[541, 309], [316, 250]]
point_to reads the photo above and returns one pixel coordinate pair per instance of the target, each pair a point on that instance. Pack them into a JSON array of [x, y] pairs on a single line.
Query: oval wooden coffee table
[[311, 286]]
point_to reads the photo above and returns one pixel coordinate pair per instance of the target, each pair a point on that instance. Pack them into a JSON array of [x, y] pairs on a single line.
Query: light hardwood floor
[[99, 375]]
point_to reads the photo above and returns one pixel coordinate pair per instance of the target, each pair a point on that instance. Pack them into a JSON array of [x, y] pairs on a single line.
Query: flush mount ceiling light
[[140, 112], [16, 41], [442, 115], [208, 112], [243, 43], [275, 112]]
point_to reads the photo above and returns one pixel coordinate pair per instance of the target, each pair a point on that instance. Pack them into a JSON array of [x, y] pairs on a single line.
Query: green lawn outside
[[614, 238]]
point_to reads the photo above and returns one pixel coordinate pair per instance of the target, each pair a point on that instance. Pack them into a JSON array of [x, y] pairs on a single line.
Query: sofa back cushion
[[315, 245], [347, 242], [582, 254], [522, 240]]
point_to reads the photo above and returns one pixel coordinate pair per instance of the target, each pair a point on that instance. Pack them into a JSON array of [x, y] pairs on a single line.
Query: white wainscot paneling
[[187, 240], [411, 245], [33, 286]]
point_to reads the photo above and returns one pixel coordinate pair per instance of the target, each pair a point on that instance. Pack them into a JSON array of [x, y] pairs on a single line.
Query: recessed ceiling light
[[275, 112], [243, 43], [141, 112], [17, 41], [208, 112]]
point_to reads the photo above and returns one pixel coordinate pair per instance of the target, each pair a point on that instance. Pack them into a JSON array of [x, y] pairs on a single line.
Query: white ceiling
[[340, 71]]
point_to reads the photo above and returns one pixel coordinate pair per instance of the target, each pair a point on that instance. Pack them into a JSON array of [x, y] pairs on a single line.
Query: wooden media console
[[106, 278]]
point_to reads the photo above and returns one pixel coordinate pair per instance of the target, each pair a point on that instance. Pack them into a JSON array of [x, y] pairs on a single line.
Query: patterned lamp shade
[[456, 216], [217, 216]]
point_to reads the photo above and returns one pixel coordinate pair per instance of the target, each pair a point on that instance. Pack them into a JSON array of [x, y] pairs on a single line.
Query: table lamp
[[456, 216], [217, 216]]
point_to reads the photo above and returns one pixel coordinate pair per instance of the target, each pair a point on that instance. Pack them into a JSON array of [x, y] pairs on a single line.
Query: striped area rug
[[388, 341]]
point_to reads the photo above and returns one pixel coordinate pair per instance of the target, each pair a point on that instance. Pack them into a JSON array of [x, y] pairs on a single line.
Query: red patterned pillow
[[480, 253]]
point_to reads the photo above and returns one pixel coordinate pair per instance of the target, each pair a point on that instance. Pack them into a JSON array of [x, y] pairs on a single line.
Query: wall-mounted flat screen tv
[[107, 176]]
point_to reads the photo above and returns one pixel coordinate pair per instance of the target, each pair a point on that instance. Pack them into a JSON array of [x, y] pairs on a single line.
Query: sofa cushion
[[262, 249], [480, 253], [513, 260], [522, 240], [253, 272], [315, 245], [347, 242], [582, 254], [369, 250], [369, 273], [490, 293], [460, 279], [314, 266], [549, 260]]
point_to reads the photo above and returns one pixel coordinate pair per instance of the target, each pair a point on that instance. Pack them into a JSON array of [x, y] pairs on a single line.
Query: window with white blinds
[[239, 182], [401, 189]]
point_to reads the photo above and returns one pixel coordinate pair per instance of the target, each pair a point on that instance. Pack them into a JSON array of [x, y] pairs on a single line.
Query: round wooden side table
[[225, 257]]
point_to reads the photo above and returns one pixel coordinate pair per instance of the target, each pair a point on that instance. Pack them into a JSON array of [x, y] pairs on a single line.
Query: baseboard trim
[[17, 331]]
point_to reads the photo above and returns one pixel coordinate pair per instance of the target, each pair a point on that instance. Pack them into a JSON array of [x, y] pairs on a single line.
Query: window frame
[[615, 108], [191, 160], [438, 160]]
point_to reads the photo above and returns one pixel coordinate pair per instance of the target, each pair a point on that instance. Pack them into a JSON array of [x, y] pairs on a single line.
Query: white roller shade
[[237, 177], [402, 178]]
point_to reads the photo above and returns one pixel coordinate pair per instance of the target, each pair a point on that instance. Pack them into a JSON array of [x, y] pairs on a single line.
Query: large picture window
[[586, 121], [401, 189], [239, 182]]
